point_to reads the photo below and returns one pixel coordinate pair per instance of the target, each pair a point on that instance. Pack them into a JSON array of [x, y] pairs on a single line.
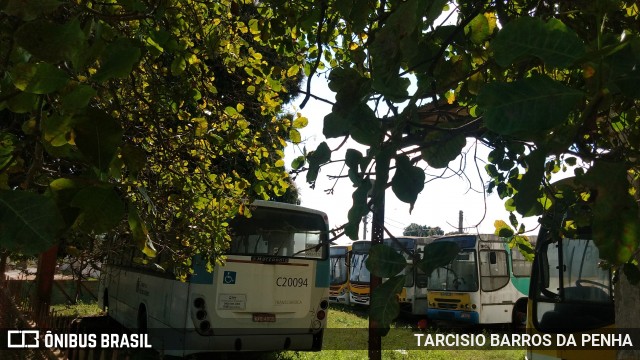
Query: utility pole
[[377, 236], [365, 225], [460, 228]]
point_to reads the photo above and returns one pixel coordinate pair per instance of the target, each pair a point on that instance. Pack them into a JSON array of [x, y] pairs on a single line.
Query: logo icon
[[229, 277], [21, 339]]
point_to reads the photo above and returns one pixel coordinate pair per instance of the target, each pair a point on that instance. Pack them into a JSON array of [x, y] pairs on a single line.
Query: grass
[[346, 338], [77, 310], [398, 343]]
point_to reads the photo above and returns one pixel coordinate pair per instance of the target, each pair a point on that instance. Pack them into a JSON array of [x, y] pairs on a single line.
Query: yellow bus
[[340, 258], [359, 275], [413, 296]]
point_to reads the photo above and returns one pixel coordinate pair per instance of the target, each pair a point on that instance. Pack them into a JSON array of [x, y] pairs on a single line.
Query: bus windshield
[[460, 274], [406, 248], [279, 233], [574, 291], [338, 257], [359, 271]]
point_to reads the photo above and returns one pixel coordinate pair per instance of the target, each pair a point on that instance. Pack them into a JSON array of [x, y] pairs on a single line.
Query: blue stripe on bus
[[470, 317], [322, 273]]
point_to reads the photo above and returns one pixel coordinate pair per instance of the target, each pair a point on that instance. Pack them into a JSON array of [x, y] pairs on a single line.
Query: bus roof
[[287, 206], [342, 242]]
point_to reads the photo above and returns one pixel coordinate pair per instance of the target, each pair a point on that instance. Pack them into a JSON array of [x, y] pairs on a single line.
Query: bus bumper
[[195, 343], [468, 317]]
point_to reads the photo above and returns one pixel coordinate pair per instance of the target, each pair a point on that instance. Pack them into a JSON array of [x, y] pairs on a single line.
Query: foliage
[[414, 229], [549, 86], [157, 121]]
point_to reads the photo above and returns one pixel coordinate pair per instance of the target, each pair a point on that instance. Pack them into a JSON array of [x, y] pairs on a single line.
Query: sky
[[438, 204]]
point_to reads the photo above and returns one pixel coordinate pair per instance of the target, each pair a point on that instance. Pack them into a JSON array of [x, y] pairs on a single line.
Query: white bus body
[[486, 283], [271, 294]]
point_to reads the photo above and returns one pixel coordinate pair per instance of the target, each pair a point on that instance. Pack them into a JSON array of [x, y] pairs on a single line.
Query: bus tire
[[142, 319], [519, 316]]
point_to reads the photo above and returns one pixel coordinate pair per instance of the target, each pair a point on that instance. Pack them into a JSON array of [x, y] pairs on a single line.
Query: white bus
[[271, 294], [486, 282], [340, 255]]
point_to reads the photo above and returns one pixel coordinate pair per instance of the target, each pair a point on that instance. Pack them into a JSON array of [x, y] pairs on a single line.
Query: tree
[[421, 230], [156, 121], [550, 86]]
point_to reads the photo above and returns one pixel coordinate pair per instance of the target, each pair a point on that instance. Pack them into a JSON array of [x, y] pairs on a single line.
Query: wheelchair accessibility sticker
[[229, 277]]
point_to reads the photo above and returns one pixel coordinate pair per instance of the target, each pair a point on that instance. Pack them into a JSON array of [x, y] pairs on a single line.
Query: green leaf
[[300, 122], [298, 162], [57, 129], [384, 261], [178, 65], [23, 103], [478, 29], [527, 108], [101, 209], [438, 254], [40, 78], [502, 229], [524, 246], [78, 98], [384, 306], [442, 149], [353, 158], [408, 181], [529, 187], [8, 144], [294, 136], [552, 42], [358, 209], [293, 70], [134, 158], [98, 136], [335, 125], [63, 191], [140, 233], [118, 60], [30, 10], [616, 230], [50, 41], [29, 222], [316, 158]]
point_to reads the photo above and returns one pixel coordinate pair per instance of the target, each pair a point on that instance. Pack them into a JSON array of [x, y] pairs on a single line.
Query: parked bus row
[[273, 291], [485, 283]]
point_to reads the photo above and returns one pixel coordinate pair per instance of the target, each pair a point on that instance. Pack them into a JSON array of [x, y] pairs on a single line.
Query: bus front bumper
[[468, 317]]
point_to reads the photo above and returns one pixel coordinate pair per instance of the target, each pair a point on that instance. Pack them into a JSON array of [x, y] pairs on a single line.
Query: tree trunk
[[627, 298]]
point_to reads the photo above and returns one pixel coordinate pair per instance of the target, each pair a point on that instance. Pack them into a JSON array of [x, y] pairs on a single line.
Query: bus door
[[496, 299], [570, 293]]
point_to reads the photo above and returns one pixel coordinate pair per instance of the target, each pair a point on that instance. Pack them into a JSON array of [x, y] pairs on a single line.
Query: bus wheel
[[519, 316], [142, 319]]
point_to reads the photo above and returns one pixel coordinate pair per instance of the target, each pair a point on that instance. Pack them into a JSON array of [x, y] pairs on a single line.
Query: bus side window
[[494, 271], [493, 260]]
